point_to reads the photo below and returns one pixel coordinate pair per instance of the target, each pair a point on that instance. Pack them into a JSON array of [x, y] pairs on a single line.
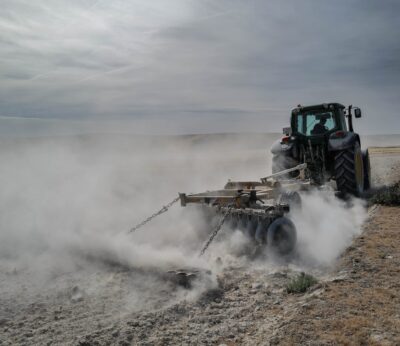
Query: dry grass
[[388, 195], [362, 309]]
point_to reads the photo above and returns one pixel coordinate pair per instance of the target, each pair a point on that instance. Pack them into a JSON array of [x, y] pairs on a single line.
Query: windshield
[[315, 123]]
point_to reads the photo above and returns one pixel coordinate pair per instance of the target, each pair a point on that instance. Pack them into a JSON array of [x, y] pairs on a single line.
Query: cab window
[[315, 123]]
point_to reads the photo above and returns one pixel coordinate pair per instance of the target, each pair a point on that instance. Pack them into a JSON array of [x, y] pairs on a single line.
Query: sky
[[194, 66]]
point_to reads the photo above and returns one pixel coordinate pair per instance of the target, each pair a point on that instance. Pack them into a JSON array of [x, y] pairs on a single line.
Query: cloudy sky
[[192, 66]]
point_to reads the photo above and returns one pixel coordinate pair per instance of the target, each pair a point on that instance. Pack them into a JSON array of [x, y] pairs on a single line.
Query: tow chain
[[169, 205], [161, 211], [215, 232]]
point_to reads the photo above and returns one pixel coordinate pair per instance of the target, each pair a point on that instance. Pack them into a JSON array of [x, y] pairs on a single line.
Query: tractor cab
[[321, 137], [318, 122]]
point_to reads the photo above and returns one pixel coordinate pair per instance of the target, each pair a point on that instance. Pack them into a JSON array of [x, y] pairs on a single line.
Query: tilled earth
[[356, 302], [246, 305]]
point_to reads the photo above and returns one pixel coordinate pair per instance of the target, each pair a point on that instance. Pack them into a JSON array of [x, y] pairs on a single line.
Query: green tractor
[[321, 137]]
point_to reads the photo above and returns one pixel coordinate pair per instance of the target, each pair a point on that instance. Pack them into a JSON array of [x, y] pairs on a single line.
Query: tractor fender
[[281, 148], [347, 141]]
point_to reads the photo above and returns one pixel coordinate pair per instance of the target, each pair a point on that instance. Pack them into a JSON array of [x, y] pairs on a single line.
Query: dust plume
[[325, 226], [67, 203]]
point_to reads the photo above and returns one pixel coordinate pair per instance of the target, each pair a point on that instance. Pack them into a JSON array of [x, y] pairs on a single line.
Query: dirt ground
[[357, 301], [361, 305]]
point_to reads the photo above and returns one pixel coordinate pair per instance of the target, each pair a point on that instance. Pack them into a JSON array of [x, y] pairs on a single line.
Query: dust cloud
[[67, 204], [325, 226], [85, 193]]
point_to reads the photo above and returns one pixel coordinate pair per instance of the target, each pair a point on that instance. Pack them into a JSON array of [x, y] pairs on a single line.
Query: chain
[[215, 232], [161, 211]]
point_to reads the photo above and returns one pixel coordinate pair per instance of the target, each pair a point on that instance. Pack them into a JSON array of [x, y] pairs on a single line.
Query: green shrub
[[300, 283]]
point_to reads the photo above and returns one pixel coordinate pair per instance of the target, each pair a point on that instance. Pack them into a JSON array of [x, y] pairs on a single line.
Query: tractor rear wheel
[[349, 171], [367, 170]]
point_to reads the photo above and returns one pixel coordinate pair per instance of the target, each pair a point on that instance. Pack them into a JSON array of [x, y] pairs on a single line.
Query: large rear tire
[[367, 170], [349, 171]]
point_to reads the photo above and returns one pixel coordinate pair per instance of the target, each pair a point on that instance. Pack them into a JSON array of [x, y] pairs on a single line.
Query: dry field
[[360, 304], [66, 279]]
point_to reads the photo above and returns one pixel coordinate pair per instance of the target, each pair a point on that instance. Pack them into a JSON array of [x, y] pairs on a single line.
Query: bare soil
[[361, 303], [355, 302]]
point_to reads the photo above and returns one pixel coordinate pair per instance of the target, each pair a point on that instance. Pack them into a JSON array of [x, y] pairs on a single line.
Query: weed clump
[[301, 283], [389, 196]]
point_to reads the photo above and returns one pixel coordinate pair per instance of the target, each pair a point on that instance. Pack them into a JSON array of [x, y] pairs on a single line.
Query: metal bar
[[297, 168], [210, 197], [242, 184]]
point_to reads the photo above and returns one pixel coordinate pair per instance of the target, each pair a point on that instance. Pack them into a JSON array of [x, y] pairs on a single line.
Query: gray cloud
[[198, 66]]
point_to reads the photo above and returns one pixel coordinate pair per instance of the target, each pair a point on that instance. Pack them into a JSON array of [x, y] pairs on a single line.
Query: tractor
[[319, 147], [321, 137]]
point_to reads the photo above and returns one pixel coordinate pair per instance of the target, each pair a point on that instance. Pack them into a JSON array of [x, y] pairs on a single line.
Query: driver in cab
[[320, 128]]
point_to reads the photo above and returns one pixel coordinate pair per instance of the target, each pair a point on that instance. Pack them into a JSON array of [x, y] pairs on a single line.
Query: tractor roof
[[320, 106]]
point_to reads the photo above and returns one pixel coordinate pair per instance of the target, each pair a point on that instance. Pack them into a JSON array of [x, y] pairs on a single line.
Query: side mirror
[[357, 112], [287, 131]]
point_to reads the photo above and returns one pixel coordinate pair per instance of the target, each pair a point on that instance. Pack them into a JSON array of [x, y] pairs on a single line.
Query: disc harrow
[[258, 208]]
